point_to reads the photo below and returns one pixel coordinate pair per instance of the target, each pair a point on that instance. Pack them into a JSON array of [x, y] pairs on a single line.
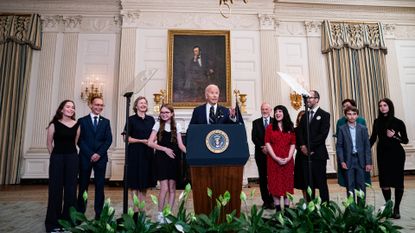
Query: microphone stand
[[127, 95], [307, 114]]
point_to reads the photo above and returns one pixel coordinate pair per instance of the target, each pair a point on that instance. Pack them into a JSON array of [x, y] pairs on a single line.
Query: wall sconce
[[242, 98], [159, 100], [296, 100], [91, 88]]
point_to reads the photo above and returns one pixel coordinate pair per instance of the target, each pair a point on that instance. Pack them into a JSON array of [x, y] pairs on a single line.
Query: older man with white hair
[[211, 112]]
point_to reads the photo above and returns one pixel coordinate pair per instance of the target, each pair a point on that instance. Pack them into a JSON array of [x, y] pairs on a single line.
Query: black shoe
[[268, 206], [396, 214]]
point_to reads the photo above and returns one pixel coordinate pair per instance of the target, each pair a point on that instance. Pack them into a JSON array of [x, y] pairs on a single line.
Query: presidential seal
[[217, 141]]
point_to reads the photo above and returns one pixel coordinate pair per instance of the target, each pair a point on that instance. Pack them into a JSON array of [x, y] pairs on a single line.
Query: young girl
[[280, 143], [169, 143], [62, 137]]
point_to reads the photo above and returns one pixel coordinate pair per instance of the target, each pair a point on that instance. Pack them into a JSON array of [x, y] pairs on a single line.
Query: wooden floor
[[23, 207]]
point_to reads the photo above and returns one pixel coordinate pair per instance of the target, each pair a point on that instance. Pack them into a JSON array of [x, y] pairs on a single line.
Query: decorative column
[[69, 57], [271, 90], [44, 87], [35, 158], [126, 78]]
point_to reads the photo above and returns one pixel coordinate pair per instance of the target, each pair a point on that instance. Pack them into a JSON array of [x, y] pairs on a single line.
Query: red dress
[[280, 177]]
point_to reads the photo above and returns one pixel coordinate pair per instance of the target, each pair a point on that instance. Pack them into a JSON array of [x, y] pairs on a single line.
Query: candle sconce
[[242, 99], [159, 100], [296, 100], [91, 88]]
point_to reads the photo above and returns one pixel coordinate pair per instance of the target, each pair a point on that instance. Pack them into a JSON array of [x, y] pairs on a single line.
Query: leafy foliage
[[313, 216]]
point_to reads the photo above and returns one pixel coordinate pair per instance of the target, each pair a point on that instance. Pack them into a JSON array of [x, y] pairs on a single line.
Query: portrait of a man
[[197, 59]]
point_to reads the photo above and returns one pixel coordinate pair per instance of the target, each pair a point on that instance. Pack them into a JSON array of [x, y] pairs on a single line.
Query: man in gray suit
[[353, 151]]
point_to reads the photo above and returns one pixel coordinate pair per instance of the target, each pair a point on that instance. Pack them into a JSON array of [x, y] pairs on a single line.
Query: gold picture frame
[[188, 76]]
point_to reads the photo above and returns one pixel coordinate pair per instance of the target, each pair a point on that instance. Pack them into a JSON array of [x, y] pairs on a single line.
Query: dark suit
[[199, 115], [93, 141], [319, 130], [258, 135], [356, 163]]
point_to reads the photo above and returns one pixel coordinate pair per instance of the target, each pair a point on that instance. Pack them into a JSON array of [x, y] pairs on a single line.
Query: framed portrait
[[197, 58]]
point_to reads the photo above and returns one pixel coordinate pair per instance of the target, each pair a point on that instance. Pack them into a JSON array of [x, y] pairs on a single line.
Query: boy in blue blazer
[[353, 151]]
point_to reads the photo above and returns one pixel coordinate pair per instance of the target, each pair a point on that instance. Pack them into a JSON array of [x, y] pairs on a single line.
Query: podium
[[216, 155]]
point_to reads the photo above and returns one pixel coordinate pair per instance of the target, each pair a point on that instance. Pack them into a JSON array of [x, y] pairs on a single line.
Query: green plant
[[312, 216], [105, 224]]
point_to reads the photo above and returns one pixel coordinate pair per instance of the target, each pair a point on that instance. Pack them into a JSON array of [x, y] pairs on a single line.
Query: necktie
[[266, 122], [311, 116], [95, 122], [212, 118]]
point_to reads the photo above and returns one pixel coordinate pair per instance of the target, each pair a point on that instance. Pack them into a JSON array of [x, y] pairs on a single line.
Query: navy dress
[[140, 156]]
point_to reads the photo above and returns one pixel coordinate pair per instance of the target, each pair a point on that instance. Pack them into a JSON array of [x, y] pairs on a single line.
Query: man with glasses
[[319, 126], [94, 142]]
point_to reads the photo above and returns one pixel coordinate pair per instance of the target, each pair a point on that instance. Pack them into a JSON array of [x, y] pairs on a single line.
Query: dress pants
[[318, 178], [63, 171], [99, 179], [355, 177]]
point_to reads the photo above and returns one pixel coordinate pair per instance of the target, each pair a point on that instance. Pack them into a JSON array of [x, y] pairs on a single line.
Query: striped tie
[[212, 118]]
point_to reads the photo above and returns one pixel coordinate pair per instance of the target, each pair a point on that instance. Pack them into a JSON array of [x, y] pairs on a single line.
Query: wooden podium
[[216, 155]]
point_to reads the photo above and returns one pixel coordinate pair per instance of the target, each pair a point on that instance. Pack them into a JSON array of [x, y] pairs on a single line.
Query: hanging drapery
[[357, 66], [19, 35]]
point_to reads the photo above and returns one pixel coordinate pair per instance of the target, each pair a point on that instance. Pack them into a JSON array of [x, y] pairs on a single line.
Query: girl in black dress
[[391, 132], [167, 140], [62, 137], [140, 156]]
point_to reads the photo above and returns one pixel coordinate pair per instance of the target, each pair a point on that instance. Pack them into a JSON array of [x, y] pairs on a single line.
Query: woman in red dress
[[280, 144]]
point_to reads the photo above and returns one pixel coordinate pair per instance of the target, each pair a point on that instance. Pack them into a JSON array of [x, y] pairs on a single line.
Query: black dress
[[140, 157], [299, 178], [390, 153], [167, 168]]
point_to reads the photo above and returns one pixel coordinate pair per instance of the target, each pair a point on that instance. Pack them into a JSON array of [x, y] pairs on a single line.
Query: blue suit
[[93, 141], [356, 163], [199, 115]]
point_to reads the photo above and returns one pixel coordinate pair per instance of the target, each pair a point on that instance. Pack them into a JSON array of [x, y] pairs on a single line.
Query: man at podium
[[211, 112]]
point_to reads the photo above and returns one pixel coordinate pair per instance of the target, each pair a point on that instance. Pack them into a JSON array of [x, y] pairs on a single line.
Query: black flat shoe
[[396, 216]]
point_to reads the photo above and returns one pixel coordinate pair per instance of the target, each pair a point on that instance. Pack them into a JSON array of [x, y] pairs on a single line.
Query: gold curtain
[[357, 66], [19, 35]]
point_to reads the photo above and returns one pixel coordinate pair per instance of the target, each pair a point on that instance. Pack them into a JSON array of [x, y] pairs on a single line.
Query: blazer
[[319, 130], [199, 115], [344, 146], [94, 141], [258, 133]]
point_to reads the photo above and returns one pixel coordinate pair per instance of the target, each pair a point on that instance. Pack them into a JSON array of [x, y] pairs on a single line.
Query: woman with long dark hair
[[391, 132], [280, 143], [166, 138], [62, 137]]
